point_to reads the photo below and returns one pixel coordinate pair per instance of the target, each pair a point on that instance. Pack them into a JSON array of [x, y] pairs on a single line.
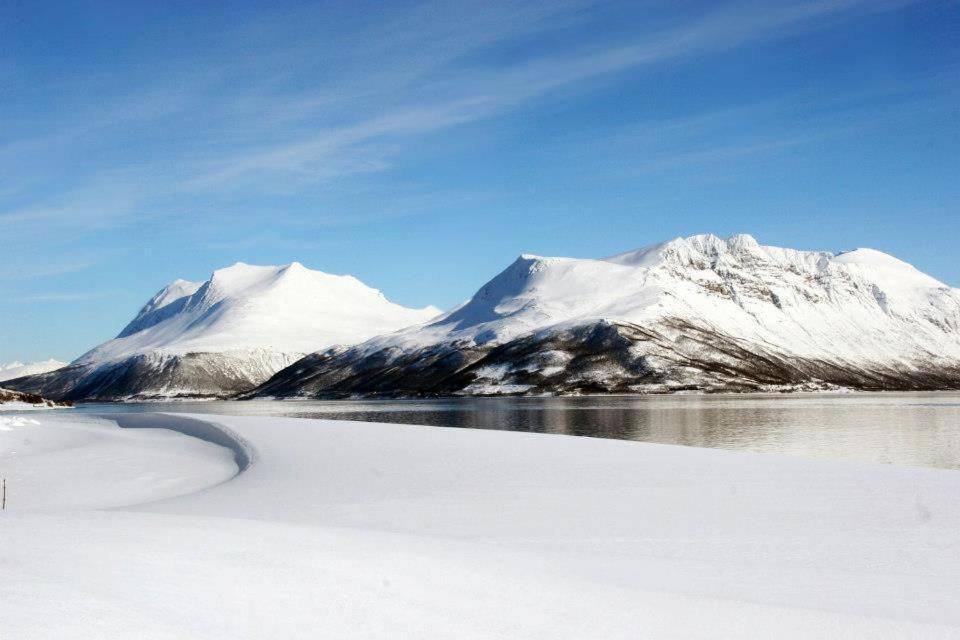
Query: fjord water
[[911, 429]]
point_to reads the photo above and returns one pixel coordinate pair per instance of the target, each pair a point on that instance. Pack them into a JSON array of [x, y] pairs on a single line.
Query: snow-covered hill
[[692, 313], [227, 334], [13, 370]]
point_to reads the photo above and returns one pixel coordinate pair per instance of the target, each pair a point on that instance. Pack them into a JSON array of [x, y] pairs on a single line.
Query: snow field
[[361, 530]]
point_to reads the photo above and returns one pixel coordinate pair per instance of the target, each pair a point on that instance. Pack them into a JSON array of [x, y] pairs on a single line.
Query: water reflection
[[916, 429]]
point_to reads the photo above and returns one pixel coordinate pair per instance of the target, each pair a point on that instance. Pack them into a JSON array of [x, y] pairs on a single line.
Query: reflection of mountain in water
[[916, 429]]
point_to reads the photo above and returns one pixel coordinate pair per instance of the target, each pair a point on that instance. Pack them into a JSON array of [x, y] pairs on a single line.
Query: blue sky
[[422, 146]]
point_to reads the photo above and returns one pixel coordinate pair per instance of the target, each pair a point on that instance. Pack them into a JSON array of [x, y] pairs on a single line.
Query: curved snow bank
[[361, 530], [202, 429], [53, 462]]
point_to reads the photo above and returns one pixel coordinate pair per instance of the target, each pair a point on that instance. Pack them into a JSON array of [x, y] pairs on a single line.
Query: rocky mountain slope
[[225, 335], [19, 400], [697, 313]]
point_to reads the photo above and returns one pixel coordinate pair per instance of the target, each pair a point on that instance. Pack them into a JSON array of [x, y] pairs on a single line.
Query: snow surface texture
[[359, 530], [692, 313], [227, 334], [13, 370]]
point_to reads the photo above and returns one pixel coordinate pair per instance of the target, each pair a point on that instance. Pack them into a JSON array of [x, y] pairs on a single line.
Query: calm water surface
[[915, 429]]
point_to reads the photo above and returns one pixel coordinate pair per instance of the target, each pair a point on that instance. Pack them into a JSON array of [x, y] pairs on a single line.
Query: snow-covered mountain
[[226, 334], [692, 313], [12, 370]]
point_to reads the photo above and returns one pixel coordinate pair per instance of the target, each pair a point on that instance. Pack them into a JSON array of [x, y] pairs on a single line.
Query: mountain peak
[[685, 250], [734, 279], [742, 241], [16, 369], [894, 272], [290, 309]]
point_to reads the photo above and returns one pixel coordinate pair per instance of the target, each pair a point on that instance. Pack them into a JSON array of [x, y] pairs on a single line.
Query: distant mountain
[[697, 313], [225, 335], [18, 369]]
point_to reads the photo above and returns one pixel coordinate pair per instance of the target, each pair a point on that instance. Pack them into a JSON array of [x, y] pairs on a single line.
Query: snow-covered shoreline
[[773, 391], [19, 401], [346, 529]]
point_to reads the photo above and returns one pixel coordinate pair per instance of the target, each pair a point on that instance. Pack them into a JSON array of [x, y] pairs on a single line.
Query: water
[[913, 429]]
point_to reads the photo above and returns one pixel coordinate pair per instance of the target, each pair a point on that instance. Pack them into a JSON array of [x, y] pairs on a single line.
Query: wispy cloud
[[63, 296], [336, 152], [111, 198], [44, 270], [235, 127]]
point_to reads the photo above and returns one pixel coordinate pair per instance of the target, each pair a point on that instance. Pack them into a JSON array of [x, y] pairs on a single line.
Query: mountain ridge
[[697, 313], [682, 314]]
